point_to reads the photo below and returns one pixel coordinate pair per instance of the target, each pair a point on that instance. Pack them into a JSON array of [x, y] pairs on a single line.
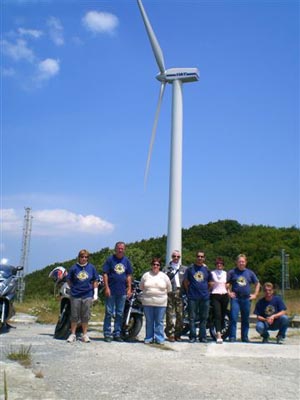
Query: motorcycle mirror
[[19, 268]]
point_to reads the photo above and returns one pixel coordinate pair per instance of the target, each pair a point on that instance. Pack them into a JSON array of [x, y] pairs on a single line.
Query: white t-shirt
[[219, 279]]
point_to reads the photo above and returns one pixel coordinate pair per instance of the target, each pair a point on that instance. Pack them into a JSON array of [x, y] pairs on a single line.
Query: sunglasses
[[175, 256], [156, 264], [200, 256]]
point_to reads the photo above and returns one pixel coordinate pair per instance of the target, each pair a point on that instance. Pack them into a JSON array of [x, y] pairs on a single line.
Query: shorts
[[81, 309]]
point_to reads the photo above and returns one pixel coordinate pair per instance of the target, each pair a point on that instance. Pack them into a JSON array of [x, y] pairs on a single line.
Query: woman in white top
[[219, 296], [155, 286]]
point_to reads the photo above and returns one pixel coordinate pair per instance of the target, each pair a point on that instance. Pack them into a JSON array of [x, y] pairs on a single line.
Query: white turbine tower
[[174, 76]]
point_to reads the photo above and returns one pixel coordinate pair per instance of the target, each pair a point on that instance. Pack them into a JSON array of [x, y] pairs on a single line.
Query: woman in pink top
[[219, 296]]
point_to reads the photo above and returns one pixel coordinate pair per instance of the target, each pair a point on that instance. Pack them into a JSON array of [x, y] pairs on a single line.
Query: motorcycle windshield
[[6, 271]]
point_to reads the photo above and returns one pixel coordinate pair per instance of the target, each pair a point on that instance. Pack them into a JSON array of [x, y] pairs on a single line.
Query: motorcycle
[[8, 288], [133, 314], [133, 311], [63, 326], [210, 326]]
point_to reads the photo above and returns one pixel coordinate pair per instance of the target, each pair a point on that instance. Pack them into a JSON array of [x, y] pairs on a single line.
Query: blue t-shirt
[[117, 270], [198, 277], [266, 308], [82, 279], [241, 281]]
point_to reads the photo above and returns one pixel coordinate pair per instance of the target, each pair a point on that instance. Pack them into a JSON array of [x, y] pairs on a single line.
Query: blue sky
[[78, 100]]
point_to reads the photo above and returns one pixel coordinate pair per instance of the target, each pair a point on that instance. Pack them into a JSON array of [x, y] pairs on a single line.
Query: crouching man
[[271, 315]]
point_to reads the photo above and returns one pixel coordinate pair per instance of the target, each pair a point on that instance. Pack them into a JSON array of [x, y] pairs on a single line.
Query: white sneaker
[[219, 341], [85, 339], [71, 338]]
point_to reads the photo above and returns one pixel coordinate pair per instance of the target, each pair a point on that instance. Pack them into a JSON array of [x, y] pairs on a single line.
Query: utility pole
[[287, 272], [282, 272], [24, 253]]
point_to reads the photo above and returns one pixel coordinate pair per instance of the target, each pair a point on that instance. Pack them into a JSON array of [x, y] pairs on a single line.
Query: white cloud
[[10, 221], [56, 31], [100, 22], [30, 32], [47, 69], [18, 50], [64, 222], [57, 222]]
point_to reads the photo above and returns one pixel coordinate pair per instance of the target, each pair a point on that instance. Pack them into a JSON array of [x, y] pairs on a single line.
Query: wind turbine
[[176, 77]]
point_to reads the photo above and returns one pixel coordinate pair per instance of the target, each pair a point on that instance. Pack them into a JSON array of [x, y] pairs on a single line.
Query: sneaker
[[85, 339], [232, 340], [107, 339], [192, 340], [118, 339], [148, 341], [203, 340], [171, 338], [219, 341], [280, 340], [71, 338], [265, 340], [178, 339]]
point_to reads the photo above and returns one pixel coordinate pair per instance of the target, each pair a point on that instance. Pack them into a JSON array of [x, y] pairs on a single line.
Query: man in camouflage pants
[[175, 272]]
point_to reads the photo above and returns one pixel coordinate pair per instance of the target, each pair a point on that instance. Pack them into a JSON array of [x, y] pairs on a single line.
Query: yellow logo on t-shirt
[[199, 277], [82, 275], [269, 310], [241, 281], [119, 268]]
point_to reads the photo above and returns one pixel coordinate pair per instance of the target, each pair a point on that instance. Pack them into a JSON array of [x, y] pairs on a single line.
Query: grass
[[22, 355], [292, 301], [47, 310]]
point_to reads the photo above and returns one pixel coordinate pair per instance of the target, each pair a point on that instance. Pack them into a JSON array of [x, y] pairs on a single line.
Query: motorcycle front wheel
[[62, 329], [134, 327]]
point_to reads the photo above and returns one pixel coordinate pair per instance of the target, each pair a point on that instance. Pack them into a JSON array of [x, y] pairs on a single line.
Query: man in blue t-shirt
[[117, 278], [271, 315], [239, 282], [196, 284]]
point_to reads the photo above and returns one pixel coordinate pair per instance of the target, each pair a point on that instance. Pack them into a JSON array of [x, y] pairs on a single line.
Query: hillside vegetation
[[226, 238]]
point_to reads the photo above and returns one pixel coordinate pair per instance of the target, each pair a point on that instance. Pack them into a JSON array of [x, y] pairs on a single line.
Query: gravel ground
[[100, 370]]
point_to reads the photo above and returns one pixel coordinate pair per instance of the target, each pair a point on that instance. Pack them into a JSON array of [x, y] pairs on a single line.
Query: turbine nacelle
[[182, 74]]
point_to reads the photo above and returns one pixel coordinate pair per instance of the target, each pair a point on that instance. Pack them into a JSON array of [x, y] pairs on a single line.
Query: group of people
[[162, 298]]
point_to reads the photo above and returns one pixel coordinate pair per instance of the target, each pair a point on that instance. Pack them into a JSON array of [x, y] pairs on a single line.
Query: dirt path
[[100, 370]]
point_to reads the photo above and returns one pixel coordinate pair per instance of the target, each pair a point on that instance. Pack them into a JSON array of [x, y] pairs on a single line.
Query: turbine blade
[[158, 54], [161, 93]]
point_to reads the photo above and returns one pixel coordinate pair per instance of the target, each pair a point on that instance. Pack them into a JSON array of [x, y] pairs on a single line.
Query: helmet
[[58, 273]]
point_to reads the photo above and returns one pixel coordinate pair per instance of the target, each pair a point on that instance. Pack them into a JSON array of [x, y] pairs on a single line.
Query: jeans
[[239, 304], [198, 311], [154, 324], [280, 324], [114, 306]]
